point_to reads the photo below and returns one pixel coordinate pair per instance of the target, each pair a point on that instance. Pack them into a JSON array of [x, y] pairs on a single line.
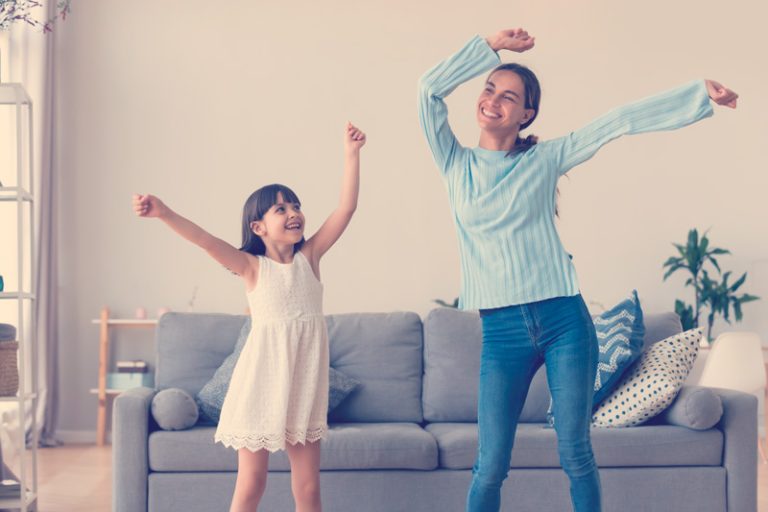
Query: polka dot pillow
[[651, 384]]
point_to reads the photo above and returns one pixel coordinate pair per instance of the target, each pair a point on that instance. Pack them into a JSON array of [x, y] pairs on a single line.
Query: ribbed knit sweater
[[504, 206]]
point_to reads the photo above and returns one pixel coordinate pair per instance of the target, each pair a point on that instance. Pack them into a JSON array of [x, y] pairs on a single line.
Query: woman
[[514, 267]]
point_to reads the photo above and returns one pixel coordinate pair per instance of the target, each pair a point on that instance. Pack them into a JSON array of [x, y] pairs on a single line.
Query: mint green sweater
[[504, 206]]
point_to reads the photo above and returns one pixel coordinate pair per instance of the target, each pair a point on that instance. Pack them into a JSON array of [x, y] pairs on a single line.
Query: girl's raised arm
[[337, 222], [232, 258]]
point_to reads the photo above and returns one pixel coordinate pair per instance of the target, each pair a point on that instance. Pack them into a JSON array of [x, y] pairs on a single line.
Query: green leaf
[[714, 262], [737, 310], [693, 238], [671, 271], [703, 245], [735, 286]]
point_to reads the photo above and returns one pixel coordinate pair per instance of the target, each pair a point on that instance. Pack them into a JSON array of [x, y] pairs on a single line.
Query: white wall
[[203, 103]]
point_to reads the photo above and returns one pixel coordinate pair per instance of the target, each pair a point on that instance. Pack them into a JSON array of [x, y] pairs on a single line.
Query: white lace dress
[[279, 387]]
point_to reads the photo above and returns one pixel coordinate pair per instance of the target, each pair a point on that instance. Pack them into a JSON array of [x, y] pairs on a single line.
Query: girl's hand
[[720, 94], [354, 139], [515, 40], [148, 206]]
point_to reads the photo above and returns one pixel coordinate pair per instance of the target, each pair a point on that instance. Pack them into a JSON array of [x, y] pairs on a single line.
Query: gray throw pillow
[[695, 407], [340, 385], [211, 396], [174, 409]]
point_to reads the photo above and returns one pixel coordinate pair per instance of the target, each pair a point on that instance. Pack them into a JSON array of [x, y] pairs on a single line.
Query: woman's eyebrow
[[510, 91]]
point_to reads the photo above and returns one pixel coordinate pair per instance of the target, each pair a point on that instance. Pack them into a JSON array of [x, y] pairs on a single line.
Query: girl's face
[[282, 224], [501, 105]]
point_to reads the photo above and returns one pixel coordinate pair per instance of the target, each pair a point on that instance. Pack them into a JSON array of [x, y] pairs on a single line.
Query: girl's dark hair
[[255, 207], [532, 100]]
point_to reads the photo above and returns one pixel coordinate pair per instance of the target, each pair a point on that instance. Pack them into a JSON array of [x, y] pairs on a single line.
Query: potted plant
[[717, 296]]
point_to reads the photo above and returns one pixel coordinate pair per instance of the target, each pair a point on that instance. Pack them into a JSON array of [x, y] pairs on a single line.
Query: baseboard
[[79, 436]]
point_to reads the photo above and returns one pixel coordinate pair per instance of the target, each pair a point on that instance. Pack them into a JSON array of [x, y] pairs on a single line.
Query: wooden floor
[[79, 477]]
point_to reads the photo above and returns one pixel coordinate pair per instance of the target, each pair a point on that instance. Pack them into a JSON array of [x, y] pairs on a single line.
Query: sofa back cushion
[[384, 352], [660, 326], [381, 350], [192, 346], [452, 344]]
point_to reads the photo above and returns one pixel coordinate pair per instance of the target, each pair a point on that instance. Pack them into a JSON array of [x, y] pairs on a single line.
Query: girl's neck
[[498, 141], [281, 254]]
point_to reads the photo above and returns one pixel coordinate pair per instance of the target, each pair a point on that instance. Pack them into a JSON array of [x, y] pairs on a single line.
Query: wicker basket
[[9, 370]]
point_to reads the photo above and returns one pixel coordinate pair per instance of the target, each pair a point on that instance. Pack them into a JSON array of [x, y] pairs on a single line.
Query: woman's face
[[501, 105]]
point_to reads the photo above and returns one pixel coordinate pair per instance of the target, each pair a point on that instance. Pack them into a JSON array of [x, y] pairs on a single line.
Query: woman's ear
[[529, 114]]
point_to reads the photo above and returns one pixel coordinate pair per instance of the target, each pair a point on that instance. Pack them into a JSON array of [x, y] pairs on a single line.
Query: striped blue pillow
[[620, 332]]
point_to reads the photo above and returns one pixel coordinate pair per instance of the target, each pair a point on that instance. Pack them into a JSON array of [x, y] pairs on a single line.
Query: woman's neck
[[498, 142]]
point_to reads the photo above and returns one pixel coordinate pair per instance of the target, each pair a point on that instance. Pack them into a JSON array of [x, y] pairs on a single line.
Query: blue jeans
[[516, 341]]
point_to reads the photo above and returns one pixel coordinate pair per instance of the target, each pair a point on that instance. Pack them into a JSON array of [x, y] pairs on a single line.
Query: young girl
[[278, 395], [514, 267]]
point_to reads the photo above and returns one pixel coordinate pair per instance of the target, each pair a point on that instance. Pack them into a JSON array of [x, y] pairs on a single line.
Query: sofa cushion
[[660, 326], [652, 383], [620, 332], [536, 446], [383, 352], [174, 409], [192, 346], [452, 344], [211, 397], [340, 386], [694, 407], [347, 446]]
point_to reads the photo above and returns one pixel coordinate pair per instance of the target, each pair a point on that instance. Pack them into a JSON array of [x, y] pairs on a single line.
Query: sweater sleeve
[[669, 110], [437, 83]]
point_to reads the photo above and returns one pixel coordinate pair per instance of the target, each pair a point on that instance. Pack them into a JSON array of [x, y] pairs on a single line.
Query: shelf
[[17, 295], [28, 396], [13, 93], [95, 391], [16, 502], [14, 194], [135, 322]]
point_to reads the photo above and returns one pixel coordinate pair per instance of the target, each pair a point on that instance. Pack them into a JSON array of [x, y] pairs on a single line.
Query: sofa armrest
[[739, 426], [130, 460]]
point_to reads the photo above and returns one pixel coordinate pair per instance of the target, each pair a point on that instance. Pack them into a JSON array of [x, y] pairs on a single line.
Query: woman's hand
[[720, 94], [354, 139], [515, 40], [148, 206]]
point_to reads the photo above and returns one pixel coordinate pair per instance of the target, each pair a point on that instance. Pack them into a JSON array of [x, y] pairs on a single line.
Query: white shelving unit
[[15, 102]]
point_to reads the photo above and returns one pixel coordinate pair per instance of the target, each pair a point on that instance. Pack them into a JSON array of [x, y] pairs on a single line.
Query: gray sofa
[[405, 440]]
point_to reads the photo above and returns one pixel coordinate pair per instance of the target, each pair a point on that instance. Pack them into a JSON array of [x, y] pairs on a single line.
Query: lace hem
[[271, 442]]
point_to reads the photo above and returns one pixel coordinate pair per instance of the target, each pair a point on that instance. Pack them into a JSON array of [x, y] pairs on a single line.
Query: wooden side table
[[105, 324]]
